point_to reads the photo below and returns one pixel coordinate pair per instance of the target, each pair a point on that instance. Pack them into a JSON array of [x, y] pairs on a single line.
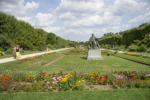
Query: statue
[[93, 44], [94, 52]]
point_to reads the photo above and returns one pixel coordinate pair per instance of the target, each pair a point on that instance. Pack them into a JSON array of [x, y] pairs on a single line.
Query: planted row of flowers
[[43, 82], [138, 55]]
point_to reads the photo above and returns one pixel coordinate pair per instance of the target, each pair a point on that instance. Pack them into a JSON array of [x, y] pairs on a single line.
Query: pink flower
[[54, 78], [118, 76], [148, 74], [59, 78], [47, 83], [50, 87]]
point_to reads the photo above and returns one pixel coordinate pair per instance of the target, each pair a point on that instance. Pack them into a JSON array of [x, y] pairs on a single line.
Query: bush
[[133, 47], [107, 46], [2, 53], [122, 47], [9, 51], [142, 48]]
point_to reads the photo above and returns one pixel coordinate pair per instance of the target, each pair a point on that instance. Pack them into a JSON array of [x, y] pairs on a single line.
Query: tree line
[[135, 39], [16, 32]]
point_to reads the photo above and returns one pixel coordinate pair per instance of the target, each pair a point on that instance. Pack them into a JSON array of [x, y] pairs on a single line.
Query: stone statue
[[93, 44], [94, 52]]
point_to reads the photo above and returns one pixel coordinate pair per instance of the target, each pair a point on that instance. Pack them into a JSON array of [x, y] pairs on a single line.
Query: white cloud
[[31, 5], [17, 7], [44, 19], [141, 18], [25, 18], [78, 19], [125, 7], [84, 13], [80, 6]]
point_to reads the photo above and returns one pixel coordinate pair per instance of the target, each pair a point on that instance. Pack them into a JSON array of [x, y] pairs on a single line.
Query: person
[[17, 50], [47, 49], [14, 51]]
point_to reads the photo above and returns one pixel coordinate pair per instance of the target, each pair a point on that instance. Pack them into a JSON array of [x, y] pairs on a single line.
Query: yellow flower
[[68, 75], [83, 81], [63, 80], [79, 82], [28, 77]]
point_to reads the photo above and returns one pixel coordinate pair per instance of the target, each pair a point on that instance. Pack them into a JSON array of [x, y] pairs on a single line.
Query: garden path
[[5, 60], [56, 59]]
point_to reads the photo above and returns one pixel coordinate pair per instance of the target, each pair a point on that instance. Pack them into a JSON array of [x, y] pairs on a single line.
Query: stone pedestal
[[94, 54]]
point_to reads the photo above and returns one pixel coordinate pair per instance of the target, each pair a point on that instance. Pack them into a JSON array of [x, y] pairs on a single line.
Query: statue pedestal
[[94, 54]]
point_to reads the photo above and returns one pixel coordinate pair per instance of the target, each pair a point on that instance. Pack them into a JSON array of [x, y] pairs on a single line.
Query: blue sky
[[78, 19]]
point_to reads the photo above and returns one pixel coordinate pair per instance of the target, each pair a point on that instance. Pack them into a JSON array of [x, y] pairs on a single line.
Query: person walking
[[17, 52]]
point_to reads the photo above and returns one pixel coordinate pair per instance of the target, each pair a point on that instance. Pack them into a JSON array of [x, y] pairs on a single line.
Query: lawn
[[136, 58], [119, 94], [70, 63], [75, 62]]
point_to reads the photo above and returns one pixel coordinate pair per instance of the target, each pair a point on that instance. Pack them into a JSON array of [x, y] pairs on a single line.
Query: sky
[[77, 19]]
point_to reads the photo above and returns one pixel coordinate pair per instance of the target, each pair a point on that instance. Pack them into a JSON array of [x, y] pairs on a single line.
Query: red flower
[[120, 72], [133, 72], [95, 77], [106, 77], [100, 78], [44, 73]]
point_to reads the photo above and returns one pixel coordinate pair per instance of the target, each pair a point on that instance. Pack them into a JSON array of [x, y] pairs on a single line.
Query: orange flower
[[91, 74]]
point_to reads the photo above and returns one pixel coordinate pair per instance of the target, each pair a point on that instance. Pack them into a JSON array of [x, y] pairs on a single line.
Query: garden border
[[132, 60]]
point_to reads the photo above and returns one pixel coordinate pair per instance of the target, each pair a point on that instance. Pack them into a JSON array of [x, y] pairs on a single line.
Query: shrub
[[107, 46], [2, 53], [142, 48], [133, 47]]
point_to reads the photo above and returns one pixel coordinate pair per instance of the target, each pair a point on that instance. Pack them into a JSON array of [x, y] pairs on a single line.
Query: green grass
[[140, 59], [76, 62], [120, 94], [71, 63]]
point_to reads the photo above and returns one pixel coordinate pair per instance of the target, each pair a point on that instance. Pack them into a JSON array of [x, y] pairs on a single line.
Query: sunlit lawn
[[76, 62], [119, 94], [71, 63]]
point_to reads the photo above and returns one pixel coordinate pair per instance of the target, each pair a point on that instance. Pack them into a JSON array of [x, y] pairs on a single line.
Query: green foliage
[[111, 40], [13, 31], [142, 48], [137, 36], [51, 38], [146, 40], [133, 47]]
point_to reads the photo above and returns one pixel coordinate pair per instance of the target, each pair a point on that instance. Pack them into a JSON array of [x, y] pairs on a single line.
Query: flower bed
[[138, 55], [141, 60], [43, 82]]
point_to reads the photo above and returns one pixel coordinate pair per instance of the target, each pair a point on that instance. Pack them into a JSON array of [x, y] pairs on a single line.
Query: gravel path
[[5, 60]]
